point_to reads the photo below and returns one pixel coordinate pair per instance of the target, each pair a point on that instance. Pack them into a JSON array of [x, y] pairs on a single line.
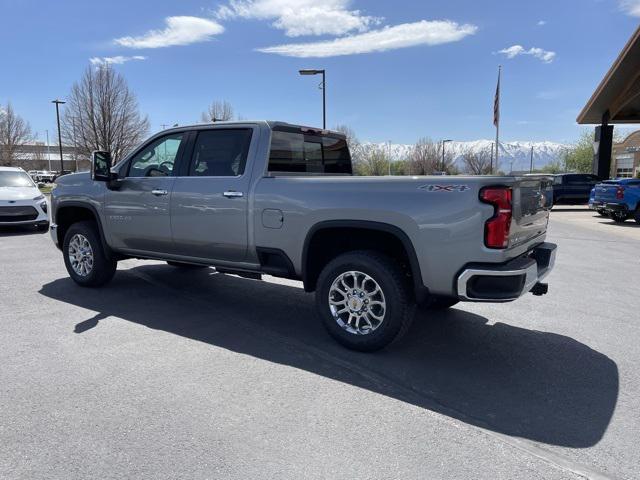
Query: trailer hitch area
[[540, 289]]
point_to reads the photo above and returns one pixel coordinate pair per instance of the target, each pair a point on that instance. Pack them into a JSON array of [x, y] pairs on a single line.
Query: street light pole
[[48, 152], [58, 103], [531, 163], [323, 87], [324, 100], [443, 163]]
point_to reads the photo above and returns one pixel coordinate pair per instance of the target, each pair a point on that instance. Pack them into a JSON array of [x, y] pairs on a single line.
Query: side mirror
[[101, 166]]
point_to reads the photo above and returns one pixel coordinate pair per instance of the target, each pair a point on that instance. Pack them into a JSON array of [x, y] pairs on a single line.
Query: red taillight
[[620, 193], [496, 229]]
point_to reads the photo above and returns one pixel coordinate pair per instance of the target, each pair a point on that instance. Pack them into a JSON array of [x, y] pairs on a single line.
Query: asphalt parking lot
[[170, 374]]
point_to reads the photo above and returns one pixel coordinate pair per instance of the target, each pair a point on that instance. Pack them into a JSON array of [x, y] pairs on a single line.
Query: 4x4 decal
[[445, 188]]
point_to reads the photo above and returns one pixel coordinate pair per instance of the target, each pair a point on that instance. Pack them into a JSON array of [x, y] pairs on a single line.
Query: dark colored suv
[[573, 188]]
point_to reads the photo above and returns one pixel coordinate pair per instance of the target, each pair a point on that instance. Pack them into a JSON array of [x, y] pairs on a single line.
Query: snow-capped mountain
[[514, 156]]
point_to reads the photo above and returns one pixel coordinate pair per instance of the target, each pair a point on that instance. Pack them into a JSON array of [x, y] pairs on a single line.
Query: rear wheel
[[84, 256], [619, 217], [636, 215], [363, 300]]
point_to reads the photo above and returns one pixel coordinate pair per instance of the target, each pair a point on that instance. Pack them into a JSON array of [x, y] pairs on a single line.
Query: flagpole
[[497, 117]]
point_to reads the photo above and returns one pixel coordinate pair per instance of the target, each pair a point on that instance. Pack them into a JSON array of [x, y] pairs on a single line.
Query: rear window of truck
[[306, 153]]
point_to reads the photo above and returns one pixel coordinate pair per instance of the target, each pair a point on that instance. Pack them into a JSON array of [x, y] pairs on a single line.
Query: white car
[[21, 203]]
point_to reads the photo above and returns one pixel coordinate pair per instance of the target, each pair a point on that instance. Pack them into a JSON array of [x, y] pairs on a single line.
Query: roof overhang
[[618, 95]]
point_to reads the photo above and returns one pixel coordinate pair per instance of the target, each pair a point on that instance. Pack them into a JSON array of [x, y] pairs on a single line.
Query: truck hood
[[18, 193], [74, 178]]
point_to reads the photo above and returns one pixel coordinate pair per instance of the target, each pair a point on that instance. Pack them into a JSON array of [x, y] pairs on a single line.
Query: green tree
[[580, 158], [553, 167]]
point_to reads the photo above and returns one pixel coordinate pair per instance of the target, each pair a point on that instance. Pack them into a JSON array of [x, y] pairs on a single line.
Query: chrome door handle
[[232, 194], [159, 193]]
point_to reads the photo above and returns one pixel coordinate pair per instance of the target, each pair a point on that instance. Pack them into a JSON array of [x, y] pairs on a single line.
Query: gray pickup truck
[[254, 198]]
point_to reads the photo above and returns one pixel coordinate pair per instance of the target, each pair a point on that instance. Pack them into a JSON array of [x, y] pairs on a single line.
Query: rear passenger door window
[[220, 153]]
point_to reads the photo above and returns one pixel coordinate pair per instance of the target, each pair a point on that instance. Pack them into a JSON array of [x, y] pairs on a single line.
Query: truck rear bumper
[[509, 281], [617, 207]]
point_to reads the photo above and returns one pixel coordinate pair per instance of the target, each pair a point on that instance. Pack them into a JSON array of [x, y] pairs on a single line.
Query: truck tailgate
[[532, 201], [606, 192]]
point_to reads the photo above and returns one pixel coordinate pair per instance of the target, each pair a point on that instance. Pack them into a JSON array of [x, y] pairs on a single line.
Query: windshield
[[15, 179]]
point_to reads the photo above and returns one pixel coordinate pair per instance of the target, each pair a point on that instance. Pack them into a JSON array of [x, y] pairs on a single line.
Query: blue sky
[[395, 70]]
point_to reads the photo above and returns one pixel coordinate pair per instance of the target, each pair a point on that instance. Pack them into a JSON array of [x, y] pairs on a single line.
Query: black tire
[[103, 267], [188, 266], [399, 310], [636, 215], [619, 217], [439, 303]]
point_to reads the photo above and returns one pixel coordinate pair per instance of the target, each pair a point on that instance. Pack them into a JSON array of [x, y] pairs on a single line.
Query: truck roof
[[272, 124]]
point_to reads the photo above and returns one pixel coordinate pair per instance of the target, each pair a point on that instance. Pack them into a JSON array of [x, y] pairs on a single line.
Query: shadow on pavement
[[627, 224], [540, 386], [15, 230]]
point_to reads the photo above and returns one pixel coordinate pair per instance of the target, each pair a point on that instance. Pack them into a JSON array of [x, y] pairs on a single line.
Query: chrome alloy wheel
[[80, 255], [357, 303]]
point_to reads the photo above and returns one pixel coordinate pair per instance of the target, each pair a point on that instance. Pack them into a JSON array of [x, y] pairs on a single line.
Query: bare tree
[[218, 111], [355, 147], [14, 133], [102, 114], [477, 163], [424, 157]]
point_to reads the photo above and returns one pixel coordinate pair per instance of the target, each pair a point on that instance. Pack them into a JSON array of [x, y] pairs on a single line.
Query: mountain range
[[514, 156]]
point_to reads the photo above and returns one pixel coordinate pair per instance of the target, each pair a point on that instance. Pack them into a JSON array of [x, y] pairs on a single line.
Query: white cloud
[[179, 31], [301, 17], [542, 23], [388, 38], [517, 50], [118, 60], [631, 7]]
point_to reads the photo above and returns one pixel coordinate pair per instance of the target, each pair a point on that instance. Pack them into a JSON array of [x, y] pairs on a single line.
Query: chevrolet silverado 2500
[[254, 198]]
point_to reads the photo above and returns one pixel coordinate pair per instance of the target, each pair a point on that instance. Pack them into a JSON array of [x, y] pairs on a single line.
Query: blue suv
[[619, 199]]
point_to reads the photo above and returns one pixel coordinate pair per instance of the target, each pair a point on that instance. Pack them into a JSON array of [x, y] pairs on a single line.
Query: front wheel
[[84, 256], [363, 300]]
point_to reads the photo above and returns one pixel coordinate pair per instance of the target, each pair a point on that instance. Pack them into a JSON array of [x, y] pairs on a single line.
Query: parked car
[[573, 188], [253, 198], [596, 205], [618, 199], [44, 176], [21, 203]]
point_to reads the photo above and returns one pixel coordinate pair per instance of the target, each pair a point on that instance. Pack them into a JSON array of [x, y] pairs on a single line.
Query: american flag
[[496, 103]]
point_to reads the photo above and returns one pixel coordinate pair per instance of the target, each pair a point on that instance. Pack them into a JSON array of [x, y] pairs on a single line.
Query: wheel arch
[[311, 266], [70, 212]]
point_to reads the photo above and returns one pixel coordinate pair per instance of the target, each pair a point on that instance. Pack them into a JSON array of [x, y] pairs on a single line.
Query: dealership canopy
[[617, 98]]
